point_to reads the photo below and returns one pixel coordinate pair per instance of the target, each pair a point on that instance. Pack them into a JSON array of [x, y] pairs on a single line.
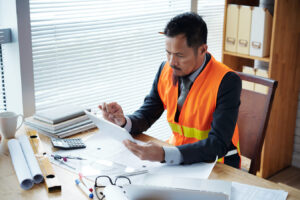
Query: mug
[[8, 124]]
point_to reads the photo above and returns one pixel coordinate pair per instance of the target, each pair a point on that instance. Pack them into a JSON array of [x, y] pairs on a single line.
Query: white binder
[[231, 27], [244, 30], [261, 28]]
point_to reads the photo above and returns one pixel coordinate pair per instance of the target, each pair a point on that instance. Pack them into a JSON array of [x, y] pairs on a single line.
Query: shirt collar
[[194, 75]]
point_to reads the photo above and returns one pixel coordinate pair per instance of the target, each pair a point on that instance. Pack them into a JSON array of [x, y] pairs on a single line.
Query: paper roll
[[26, 166], [20, 164], [31, 160]]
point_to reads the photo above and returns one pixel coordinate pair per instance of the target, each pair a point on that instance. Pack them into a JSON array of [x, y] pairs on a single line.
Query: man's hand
[[150, 151], [113, 112]]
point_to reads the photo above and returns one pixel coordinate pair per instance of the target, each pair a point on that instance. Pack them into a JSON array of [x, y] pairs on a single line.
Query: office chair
[[253, 118]]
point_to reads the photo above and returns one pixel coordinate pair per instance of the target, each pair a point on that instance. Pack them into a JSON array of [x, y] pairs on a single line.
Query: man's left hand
[[150, 151]]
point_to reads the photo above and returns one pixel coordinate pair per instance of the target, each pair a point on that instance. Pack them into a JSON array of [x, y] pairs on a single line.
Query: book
[[59, 114], [30, 121], [87, 121], [68, 132]]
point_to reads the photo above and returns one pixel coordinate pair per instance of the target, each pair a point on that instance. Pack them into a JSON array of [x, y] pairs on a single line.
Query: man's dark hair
[[191, 25]]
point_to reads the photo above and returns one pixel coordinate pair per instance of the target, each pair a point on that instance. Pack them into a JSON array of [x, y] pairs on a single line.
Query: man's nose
[[173, 61]]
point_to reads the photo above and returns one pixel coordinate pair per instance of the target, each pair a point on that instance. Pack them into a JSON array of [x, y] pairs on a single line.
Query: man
[[201, 95]]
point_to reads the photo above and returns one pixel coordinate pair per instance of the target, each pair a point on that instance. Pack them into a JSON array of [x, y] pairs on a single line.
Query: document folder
[[261, 28], [244, 30], [232, 27]]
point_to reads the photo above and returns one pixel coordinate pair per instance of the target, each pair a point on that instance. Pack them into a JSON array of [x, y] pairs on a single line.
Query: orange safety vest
[[196, 115]]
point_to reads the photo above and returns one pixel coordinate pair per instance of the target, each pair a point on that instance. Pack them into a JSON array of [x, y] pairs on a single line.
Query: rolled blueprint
[[20, 164], [31, 160], [26, 166]]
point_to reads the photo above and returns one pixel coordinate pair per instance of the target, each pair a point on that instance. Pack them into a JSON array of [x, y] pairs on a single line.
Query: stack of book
[[60, 121]]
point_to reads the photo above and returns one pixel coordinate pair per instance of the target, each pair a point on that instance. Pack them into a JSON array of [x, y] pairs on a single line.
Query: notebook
[[59, 114]]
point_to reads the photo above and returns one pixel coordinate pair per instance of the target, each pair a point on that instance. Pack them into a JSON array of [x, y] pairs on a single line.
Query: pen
[[81, 177], [84, 189]]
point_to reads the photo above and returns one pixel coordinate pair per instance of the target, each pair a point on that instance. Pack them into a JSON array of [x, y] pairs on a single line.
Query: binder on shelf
[[232, 28], [261, 29], [244, 30], [246, 84]]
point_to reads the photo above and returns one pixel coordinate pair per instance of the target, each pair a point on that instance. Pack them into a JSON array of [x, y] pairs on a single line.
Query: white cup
[[8, 124]]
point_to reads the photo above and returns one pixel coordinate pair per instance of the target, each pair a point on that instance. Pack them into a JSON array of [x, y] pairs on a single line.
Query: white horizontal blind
[[91, 51], [2, 87], [213, 14]]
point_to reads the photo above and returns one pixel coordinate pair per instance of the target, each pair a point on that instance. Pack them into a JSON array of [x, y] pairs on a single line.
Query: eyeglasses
[[103, 181]]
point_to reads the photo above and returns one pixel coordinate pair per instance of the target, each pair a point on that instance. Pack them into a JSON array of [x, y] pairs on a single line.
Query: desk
[[10, 189]]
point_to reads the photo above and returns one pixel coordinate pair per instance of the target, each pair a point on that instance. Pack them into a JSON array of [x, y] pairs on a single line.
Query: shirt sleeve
[[128, 124], [172, 155], [150, 111], [224, 121]]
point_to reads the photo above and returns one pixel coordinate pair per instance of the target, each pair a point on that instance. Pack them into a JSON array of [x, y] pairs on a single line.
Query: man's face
[[182, 58]]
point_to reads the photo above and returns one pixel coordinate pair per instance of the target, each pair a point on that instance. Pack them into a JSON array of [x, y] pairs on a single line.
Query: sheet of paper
[[107, 156], [109, 129], [197, 170], [206, 185], [248, 192]]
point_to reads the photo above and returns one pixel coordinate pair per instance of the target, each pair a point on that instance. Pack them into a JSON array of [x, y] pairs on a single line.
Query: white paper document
[[107, 156], [248, 192], [218, 187], [197, 170], [109, 129], [26, 166]]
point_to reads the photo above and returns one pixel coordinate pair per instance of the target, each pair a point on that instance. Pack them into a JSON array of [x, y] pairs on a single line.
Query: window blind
[[91, 51], [213, 14]]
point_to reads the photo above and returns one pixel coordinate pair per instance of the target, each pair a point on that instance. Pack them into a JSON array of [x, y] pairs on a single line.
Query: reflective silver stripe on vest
[[232, 152]]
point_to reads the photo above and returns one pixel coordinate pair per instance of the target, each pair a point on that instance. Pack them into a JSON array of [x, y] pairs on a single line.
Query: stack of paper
[[61, 121]]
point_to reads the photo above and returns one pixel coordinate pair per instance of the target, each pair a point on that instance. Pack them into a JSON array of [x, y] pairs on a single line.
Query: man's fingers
[[133, 146], [114, 108], [104, 107]]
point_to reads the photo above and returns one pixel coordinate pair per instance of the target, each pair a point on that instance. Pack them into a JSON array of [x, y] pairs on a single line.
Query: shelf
[[265, 59]]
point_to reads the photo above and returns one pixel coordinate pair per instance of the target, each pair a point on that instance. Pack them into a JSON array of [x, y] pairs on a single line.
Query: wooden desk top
[[10, 189]]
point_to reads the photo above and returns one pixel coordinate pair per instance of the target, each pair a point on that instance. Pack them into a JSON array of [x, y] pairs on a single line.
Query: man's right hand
[[113, 112]]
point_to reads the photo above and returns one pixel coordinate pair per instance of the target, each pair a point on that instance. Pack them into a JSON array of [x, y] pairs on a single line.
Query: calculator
[[74, 143]]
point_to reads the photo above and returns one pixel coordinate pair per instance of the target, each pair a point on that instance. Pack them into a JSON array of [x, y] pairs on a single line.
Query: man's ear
[[202, 50]]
